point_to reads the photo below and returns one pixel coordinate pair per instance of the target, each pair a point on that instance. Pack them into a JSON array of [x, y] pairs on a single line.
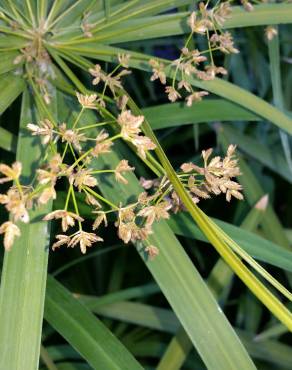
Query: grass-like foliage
[[132, 133]]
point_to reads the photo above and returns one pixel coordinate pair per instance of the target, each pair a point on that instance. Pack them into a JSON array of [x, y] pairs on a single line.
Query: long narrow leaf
[[24, 271], [84, 331]]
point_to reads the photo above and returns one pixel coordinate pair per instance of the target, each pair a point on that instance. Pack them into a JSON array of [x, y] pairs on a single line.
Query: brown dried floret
[[84, 239], [10, 231], [68, 218]]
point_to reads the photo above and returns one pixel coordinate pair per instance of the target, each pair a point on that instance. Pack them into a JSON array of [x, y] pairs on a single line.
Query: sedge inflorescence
[[71, 155], [73, 149], [206, 25]]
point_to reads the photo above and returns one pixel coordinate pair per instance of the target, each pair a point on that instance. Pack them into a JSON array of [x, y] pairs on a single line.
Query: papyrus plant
[[42, 43]]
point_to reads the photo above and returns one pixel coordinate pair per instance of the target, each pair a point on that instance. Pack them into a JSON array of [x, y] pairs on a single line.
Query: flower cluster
[[111, 80], [72, 158], [35, 62], [71, 152], [70, 155], [206, 22], [213, 178]]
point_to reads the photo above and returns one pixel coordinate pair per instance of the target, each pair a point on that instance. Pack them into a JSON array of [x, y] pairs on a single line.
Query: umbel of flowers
[[134, 220], [71, 150]]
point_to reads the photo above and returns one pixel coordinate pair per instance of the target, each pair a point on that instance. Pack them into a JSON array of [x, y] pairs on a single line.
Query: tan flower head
[[211, 72], [87, 101], [183, 84], [10, 231], [114, 82], [3, 199], [158, 71], [12, 173], [195, 97], [84, 239], [194, 55], [101, 103], [143, 144], [189, 167], [173, 94], [97, 73], [68, 218], [45, 129], [155, 212], [222, 13], [99, 219], [55, 163], [224, 42], [92, 201], [46, 177], [122, 167], [47, 194], [199, 26], [130, 124], [126, 215], [15, 203], [71, 136], [152, 251], [270, 32], [247, 5], [83, 178], [122, 102], [127, 231], [86, 26], [124, 59], [61, 240], [235, 192], [102, 145], [145, 183]]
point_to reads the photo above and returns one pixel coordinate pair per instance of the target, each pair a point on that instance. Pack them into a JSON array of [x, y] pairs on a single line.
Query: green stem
[[102, 171], [68, 198], [75, 205], [81, 158], [78, 118], [98, 196], [95, 125]]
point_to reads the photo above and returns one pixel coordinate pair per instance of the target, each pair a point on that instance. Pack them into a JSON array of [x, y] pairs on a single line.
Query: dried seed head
[[224, 42], [122, 102], [10, 231], [71, 136], [101, 218], [97, 73], [15, 203], [44, 129], [87, 101], [143, 144], [122, 167], [247, 5], [158, 71], [152, 251], [195, 97], [83, 178], [84, 239], [47, 194], [172, 93], [61, 240], [270, 32], [124, 59], [130, 124], [155, 212], [68, 218], [102, 145], [11, 173]]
